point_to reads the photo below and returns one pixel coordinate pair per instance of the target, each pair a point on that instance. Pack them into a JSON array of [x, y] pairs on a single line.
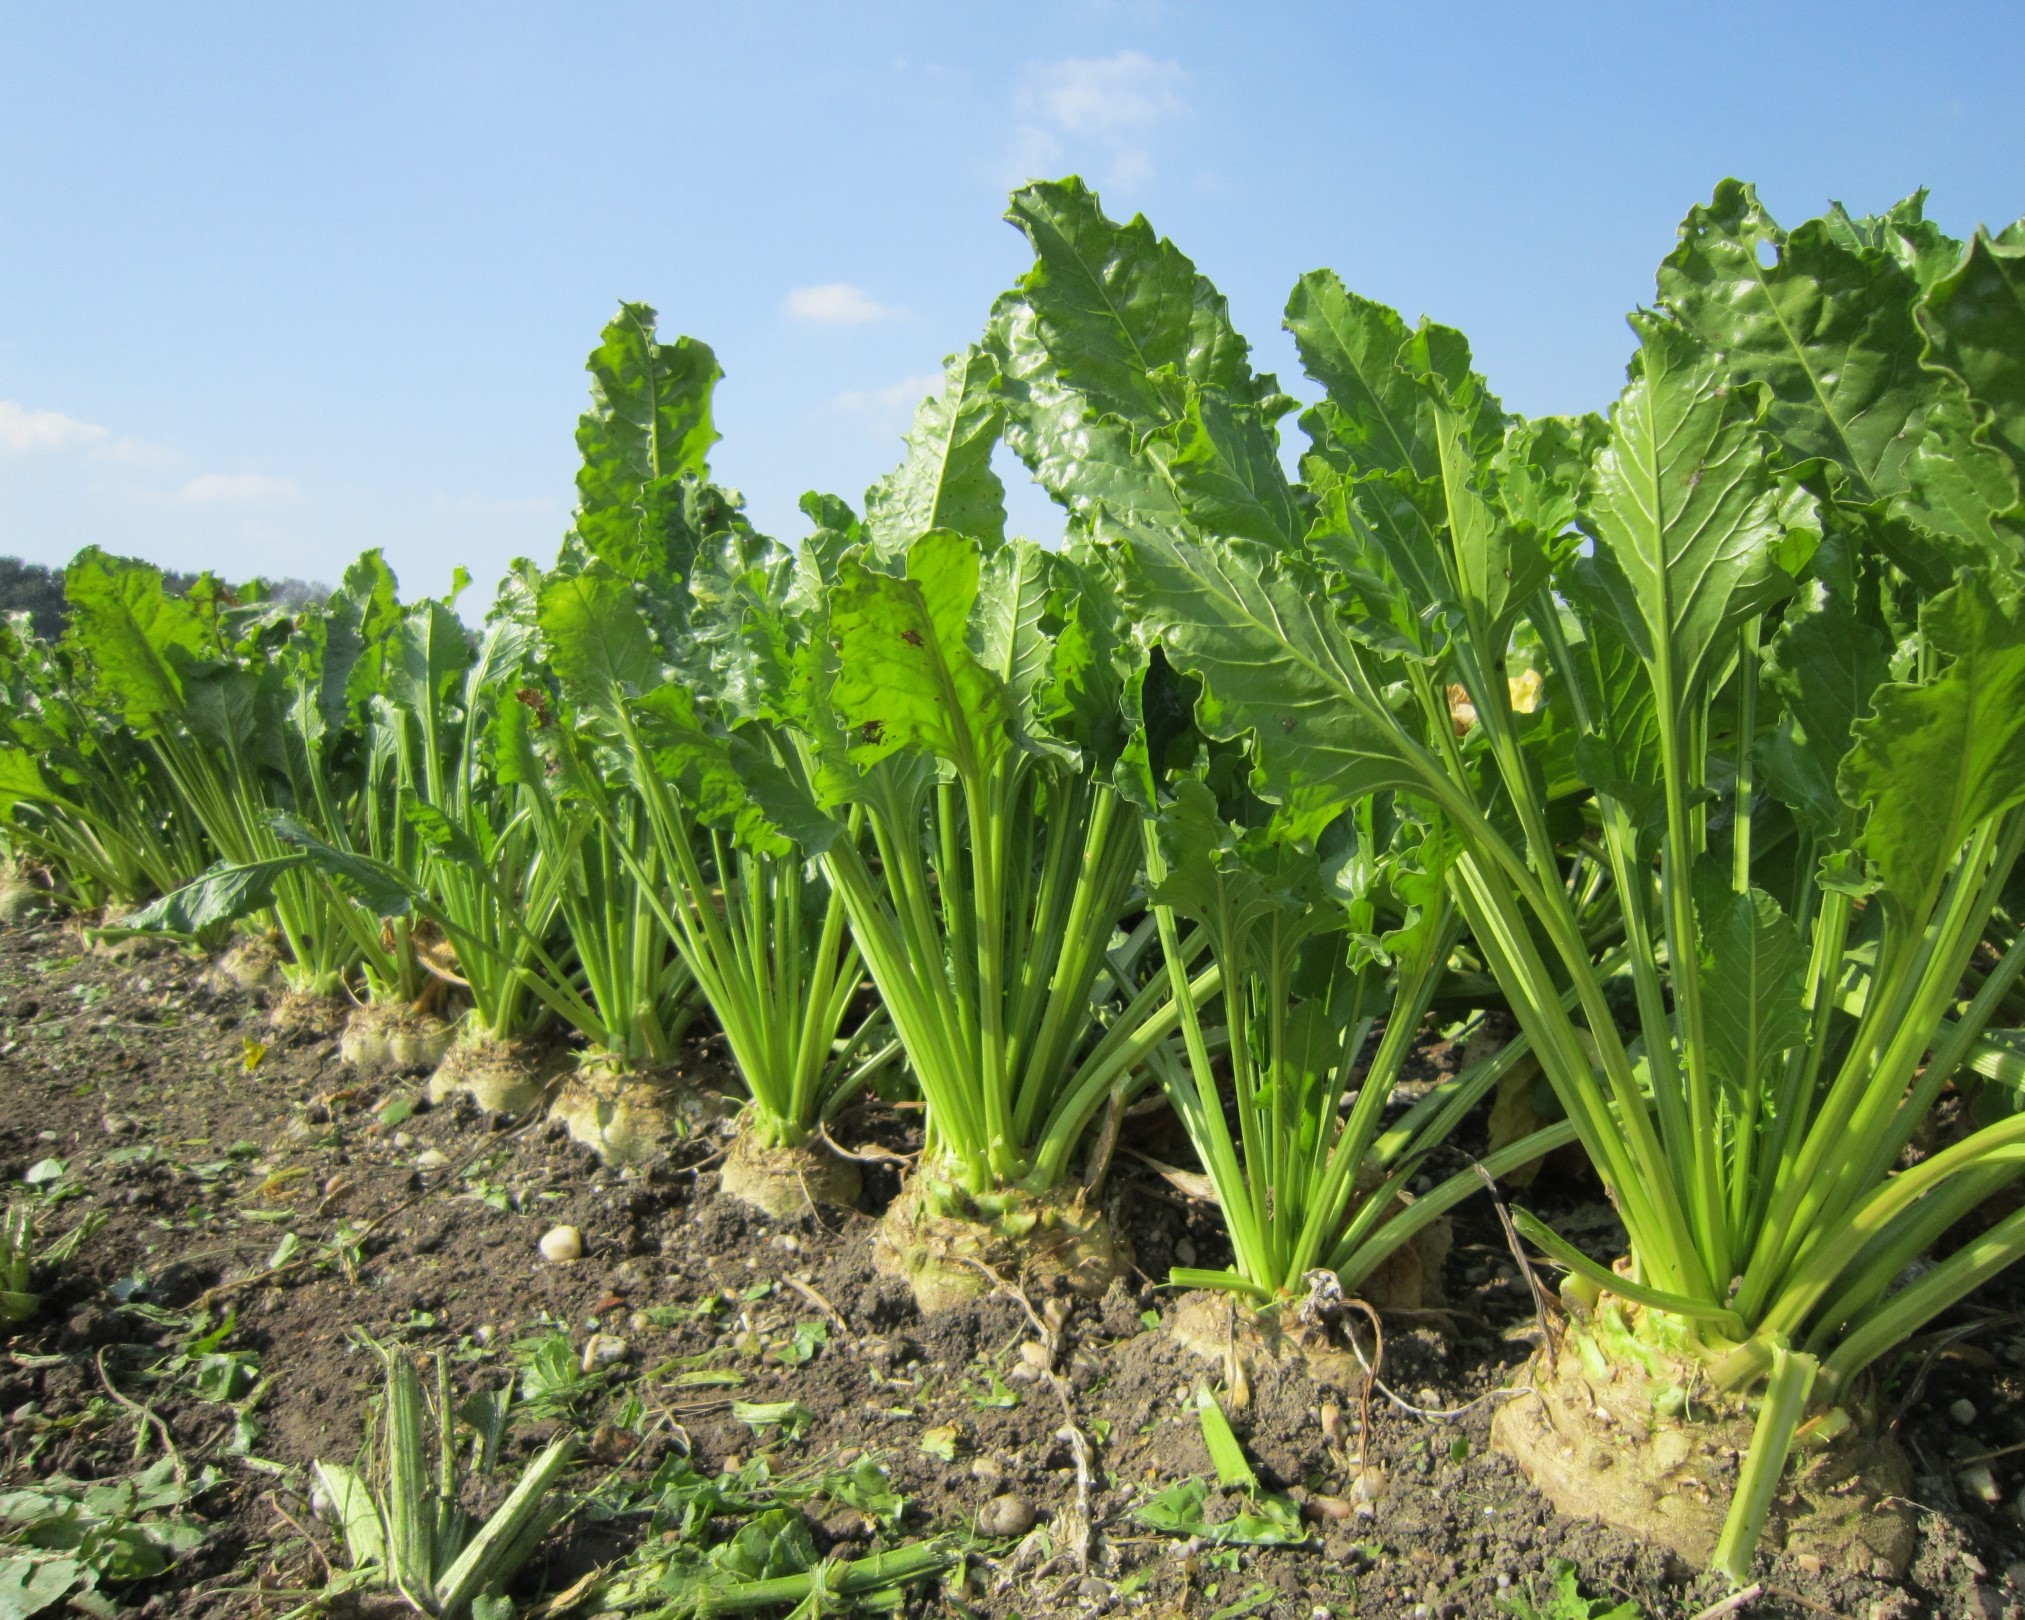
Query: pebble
[[1963, 1412], [562, 1243], [431, 1159], [604, 1350], [1184, 1253], [988, 1469], [1006, 1516], [1979, 1482], [404, 1140]]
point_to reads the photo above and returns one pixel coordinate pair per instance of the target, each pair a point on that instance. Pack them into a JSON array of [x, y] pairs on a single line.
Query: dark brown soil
[[204, 1137]]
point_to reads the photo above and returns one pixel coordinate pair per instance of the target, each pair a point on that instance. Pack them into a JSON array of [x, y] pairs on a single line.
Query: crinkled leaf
[[907, 677], [1753, 972], [1825, 663], [1261, 635], [1974, 321], [1933, 760], [1373, 419], [1683, 510], [1007, 629], [947, 481], [1124, 313], [1923, 250], [1828, 331], [135, 633], [597, 637]]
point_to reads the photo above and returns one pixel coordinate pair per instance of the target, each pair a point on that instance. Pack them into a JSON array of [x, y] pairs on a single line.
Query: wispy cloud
[[836, 303], [893, 399], [237, 489], [1098, 112], [27, 431]]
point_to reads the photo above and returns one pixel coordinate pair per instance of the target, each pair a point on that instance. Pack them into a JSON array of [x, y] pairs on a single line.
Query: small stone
[[431, 1159], [1979, 1482], [604, 1350], [1006, 1516], [1963, 1412], [987, 1469], [562, 1244], [404, 1140], [1810, 1562], [1184, 1253], [485, 1333], [1093, 1588], [1034, 1354]]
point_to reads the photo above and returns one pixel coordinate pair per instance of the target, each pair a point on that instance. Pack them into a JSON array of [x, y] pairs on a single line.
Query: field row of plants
[[1675, 753]]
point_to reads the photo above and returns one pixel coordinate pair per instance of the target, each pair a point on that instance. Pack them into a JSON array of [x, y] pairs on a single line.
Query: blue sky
[[278, 283]]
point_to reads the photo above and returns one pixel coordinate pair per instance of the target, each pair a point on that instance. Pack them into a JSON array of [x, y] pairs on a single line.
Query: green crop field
[[1531, 901]]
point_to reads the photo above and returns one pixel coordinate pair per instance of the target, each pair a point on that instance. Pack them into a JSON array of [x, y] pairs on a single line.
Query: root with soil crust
[[1618, 1430], [938, 1237], [784, 1181], [628, 1116], [501, 1077]]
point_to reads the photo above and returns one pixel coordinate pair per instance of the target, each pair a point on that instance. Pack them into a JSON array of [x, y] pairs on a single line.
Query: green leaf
[[138, 637], [597, 637], [644, 443], [1963, 507], [1374, 418], [1007, 631], [224, 894], [1088, 464], [907, 677], [1124, 314], [1224, 464], [1233, 1471], [1827, 330], [379, 888], [1258, 630], [1755, 970], [946, 481], [427, 656], [1921, 247], [30, 1584], [1684, 513], [1825, 663], [1933, 760], [1974, 321]]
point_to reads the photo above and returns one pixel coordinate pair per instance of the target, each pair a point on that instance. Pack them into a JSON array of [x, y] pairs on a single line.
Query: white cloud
[[26, 432], [836, 303], [901, 396], [1109, 107], [236, 489]]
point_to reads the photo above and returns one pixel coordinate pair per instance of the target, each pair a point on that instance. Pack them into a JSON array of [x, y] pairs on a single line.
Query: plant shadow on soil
[[203, 1136]]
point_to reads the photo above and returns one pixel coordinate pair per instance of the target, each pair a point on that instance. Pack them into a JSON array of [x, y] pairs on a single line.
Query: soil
[[204, 1134]]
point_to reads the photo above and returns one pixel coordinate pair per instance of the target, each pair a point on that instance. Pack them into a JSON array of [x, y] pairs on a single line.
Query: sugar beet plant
[[1775, 603], [1318, 928]]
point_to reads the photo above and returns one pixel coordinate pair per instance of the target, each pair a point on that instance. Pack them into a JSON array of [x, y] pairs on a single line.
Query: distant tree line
[[38, 590]]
